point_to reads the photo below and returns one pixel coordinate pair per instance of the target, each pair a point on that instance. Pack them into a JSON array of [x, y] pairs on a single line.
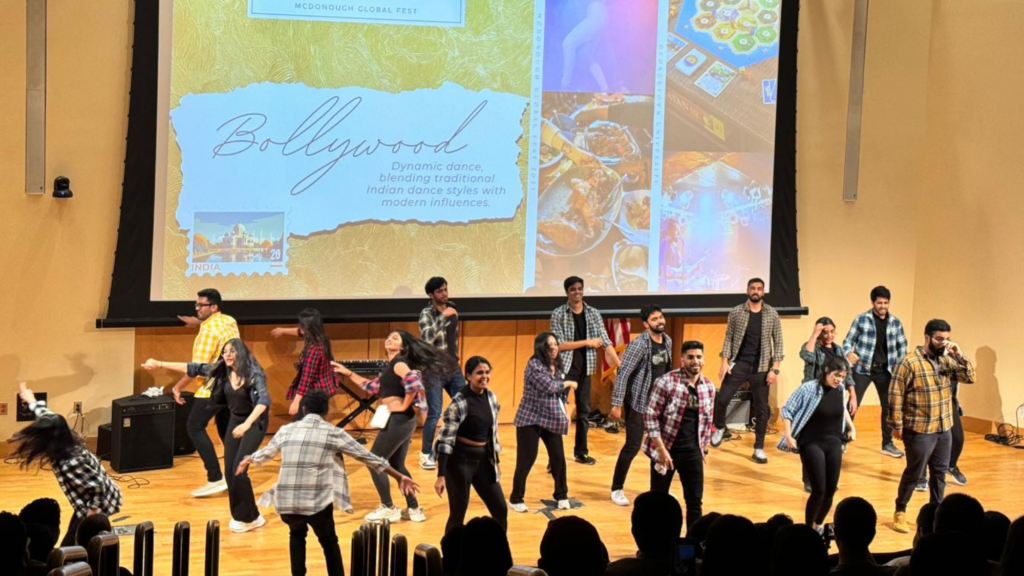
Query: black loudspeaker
[[142, 433], [182, 443], [103, 442]]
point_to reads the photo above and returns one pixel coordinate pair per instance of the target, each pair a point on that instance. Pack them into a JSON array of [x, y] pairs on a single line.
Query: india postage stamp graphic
[[237, 243]]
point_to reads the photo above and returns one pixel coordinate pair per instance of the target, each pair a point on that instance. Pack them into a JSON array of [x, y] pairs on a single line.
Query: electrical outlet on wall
[[78, 407], [3, 408]]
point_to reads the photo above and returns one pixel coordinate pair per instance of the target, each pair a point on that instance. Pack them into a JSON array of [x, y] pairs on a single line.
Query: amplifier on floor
[[737, 414], [142, 433]]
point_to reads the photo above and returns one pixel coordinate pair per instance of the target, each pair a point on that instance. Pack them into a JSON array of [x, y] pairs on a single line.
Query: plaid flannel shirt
[[921, 400], [862, 337], [635, 372], [664, 415], [801, 405], [312, 470], [413, 383], [433, 326], [565, 330], [455, 414], [313, 372], [771, 335], [82, 478], [541, 404], [814, 362], [214, 333]]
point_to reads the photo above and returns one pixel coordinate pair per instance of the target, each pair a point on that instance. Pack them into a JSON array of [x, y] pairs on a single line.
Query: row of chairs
[[102, 557], [376, 553]]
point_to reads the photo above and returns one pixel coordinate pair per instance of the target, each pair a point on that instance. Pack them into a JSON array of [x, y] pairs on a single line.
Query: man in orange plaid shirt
[[215, 329]]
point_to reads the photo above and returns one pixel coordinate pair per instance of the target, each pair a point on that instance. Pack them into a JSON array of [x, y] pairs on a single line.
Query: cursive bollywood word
[[317, 135]]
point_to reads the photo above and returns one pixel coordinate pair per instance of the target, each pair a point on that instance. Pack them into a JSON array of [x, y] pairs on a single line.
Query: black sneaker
[[585, 459], [958, 477], [922, 485]]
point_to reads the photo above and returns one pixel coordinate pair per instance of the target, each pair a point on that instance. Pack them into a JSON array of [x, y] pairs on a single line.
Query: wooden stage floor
[[733, 483]]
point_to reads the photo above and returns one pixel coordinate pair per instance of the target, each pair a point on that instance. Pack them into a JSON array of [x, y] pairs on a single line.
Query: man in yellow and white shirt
[[215, 329]]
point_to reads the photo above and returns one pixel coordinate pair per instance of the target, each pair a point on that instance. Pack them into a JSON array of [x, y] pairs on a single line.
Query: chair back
[[105, 554], [180, 554], [143, 549], [212, 565], [526, 571], [427, 561], [383, 547], [73, 569], [66, 555], [359, 552], [399, 556]]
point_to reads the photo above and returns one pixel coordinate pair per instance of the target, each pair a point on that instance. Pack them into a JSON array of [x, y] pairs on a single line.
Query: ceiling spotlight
[[62, 187]]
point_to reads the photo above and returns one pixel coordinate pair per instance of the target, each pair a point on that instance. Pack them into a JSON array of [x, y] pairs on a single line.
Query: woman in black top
[[240, 384], [468, 448], [815, 423], [400, 387]]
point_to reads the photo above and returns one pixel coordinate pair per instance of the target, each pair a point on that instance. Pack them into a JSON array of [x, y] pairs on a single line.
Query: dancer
[[580, 331], [874, 345], [646, 358], [439, 327], [314, 370], [815, 423], [400, 387], [468, 448], [921, 412], [239, 383], [678, 424], [50, 442], [580, 44], [542, 417], [313, 479], [752, 353], [215, 329]]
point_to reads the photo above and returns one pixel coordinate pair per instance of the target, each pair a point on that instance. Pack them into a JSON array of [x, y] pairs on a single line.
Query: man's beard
[[658, 329], [938, 353], [754, 298], [693, 370]]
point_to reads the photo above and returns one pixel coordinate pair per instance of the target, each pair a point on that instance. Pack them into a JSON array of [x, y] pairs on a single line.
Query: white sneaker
[[564, 505], [210, 488], [237, 526], [389, 513], [716, 438], [619, 498], [427, 462], [414, 514], [520, 507], [759, 456]]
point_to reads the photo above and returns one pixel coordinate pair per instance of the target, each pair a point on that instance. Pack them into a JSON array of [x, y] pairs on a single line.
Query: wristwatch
[[776, 371]]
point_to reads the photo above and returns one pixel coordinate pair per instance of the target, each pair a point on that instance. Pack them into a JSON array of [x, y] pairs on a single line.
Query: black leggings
[[392, 444], [240, 495], [527, 442], [470, 466], [822, 459]]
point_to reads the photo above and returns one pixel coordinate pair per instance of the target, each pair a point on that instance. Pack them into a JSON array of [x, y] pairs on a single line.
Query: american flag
[[618, 332]]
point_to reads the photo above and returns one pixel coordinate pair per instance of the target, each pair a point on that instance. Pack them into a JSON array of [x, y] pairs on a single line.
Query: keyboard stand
[[364, 404]]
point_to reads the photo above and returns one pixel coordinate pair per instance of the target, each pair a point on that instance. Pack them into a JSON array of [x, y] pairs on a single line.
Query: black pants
[[470, 466], [690, 467], [69, 536], [634, 437], [582, 396], [740, 374], [881, 379], [528, 439], [322, 524], [929, 451], [957, 437], [392, 444], [822, 460], [202, 412], [240, 494]]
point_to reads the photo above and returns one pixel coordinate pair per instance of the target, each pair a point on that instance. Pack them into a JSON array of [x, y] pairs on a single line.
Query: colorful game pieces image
[[715, 78], [689, 63]]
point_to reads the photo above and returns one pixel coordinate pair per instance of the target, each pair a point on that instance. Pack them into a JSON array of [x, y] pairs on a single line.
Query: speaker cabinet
[[142, 433]]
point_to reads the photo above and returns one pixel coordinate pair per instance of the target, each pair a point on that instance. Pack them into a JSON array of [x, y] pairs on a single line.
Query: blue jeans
[[435, 386]]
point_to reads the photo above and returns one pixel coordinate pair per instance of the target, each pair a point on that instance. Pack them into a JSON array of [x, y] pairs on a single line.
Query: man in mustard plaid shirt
[[921, 412], [215, 329]]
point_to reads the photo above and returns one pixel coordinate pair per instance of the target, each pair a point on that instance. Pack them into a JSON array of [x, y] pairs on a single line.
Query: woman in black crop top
[[241, 384], [467, 448], [400, 387]]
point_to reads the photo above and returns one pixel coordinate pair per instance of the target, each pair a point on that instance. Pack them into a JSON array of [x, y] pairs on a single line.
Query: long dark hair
[[422, 356], [246, 365], [542, 353], [834, 364], [312, 327], [47, 441], [474, 362]]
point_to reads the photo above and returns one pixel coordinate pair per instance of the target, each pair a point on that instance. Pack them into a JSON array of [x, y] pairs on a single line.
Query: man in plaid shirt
[[580, 332], [678, 424], [313, 479], [647, 358], [751, 353], [921, 412], [215, 329], [439, 327], [874, 345]]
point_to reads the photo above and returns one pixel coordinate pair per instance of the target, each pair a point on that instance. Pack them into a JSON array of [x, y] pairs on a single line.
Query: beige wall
[[940, 127]]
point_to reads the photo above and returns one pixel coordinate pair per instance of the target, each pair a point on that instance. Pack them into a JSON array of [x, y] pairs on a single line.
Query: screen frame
[[130, 303]]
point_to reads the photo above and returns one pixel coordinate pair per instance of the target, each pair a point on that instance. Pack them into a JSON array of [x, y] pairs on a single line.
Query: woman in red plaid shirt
[[313, 370]]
